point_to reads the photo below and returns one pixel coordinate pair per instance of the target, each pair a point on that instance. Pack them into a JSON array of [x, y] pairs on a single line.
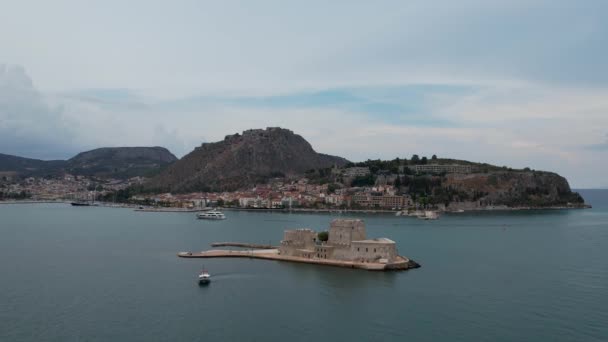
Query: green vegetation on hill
[[483, 184]]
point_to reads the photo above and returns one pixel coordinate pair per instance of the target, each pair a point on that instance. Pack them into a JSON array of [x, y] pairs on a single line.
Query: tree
[[220, 202], [434, 157], [323, 236], [415, 159], [423, 161], [331, 188], [398, 182], [368, 180]]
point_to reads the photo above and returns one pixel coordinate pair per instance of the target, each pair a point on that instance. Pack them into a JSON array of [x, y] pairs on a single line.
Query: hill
[[242, 160], [110, 162], [460, 183], [27, 166], [120, 162]]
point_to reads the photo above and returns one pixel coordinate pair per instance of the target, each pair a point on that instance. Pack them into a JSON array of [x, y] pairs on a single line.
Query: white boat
[[211, 215], [204, 277], [429, 215]]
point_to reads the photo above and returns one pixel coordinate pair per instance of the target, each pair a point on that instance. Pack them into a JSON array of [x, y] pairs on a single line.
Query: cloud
[[516, 125], [238, 49], [520, 83], [28, 125], [601, 147]]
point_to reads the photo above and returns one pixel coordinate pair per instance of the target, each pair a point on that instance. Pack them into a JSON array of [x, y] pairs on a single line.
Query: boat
[[81, 204], [87, 202], [429, 215], [211, 215], [204, 277]]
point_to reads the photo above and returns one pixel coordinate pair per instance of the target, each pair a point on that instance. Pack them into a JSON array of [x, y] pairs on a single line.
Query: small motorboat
[[204, 278]]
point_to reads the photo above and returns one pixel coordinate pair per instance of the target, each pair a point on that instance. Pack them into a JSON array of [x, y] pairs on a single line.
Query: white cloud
[[29, 126], [237, 48], [540, 127], [535, 70]]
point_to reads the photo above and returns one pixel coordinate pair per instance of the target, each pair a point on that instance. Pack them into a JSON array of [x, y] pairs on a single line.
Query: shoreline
[[297, 210], [385, 211]]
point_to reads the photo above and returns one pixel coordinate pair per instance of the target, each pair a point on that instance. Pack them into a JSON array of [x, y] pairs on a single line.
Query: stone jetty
[[242, 245]]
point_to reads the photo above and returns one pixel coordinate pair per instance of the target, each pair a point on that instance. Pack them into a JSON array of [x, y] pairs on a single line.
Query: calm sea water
[[103, 274]]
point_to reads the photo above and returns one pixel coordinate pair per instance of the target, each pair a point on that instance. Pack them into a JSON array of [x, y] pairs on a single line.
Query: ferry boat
[[204, 277], [211, 215]]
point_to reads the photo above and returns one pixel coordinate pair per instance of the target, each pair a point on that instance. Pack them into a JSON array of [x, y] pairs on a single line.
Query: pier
[[400, 264], [242, 245]]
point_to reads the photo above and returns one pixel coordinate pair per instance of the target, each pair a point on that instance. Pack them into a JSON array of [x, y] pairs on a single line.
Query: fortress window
[[357, 249], [366, 249], [374, 250]]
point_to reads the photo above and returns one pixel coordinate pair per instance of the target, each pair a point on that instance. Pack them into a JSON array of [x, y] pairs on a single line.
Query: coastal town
[[384, 193], [401, 186], [66, 188]]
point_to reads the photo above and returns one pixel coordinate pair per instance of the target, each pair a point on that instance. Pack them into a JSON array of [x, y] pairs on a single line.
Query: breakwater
[[241, 244], [400, 264]]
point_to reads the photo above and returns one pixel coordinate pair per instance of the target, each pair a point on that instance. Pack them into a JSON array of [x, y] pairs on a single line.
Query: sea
[[112, 274]]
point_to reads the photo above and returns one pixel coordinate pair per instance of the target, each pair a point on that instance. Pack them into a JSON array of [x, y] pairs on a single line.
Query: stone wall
[[373, 250], [297, 239], [342, 232]]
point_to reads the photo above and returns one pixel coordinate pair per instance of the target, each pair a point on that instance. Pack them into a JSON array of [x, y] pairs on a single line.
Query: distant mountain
[[242, 160], [109, 162], [28, 166], [120, 162]]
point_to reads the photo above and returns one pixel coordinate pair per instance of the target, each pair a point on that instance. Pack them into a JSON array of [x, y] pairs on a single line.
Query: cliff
[[461, 184], [242, 160], [513, 189]]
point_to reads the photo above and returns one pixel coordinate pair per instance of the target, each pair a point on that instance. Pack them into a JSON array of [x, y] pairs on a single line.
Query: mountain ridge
[[115, 162]]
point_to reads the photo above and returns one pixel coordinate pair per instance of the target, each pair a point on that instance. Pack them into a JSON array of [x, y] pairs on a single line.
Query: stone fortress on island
[[346, 246], [347, 241]]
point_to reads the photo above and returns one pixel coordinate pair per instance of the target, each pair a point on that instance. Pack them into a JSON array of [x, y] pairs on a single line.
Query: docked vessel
[[429, 215], [211, 215], [204, 277]]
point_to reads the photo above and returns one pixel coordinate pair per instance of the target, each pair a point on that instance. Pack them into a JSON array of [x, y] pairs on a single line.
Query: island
[[344, 245]]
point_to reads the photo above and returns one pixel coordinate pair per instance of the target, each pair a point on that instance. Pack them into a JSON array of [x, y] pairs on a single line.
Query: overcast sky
[[517, 83]]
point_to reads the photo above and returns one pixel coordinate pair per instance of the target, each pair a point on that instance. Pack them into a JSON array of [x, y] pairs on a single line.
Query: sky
[[516, 83]]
